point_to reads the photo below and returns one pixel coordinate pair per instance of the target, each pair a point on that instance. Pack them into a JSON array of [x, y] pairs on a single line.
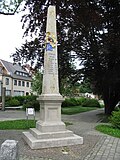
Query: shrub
[[115, 119], [69, 102], [91, 103], [8, 98], [30, 98], [80, 100], [21, 99], [32, 104], [12, 102]]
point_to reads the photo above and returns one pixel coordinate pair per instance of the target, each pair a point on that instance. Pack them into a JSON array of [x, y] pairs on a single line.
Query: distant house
[[15, 79]]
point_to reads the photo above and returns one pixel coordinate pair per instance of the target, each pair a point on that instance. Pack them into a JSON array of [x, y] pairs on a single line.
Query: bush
[[21, 99], [32, 104], [91, 103], [115, 119], [30, 98], [81, 100], [7, 98], [12, 102], [69, 102]]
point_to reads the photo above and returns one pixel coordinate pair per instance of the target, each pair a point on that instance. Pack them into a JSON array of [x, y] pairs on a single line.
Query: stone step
[[35, 143], [48, 135]]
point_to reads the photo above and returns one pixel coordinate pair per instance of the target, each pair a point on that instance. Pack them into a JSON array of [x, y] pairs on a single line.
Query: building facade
[[15, 79]]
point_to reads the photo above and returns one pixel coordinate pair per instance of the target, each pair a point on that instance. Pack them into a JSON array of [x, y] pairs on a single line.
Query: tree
[[67, 88], [9, 7], [103, 54], [37, 83], [85, 86], [87, 28]]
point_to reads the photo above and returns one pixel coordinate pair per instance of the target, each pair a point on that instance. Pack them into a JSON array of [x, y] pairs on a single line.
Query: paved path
[[97, 146]]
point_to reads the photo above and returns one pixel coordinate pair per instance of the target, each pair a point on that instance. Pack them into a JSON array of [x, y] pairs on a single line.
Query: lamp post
[[2, 89]]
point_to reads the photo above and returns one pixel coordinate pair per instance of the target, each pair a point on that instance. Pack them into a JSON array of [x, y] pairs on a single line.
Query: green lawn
[[110, 130], [17, 124], [20, 124], [76, 109]]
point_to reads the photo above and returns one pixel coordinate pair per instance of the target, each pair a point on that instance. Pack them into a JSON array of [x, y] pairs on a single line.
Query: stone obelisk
[[50, 131]]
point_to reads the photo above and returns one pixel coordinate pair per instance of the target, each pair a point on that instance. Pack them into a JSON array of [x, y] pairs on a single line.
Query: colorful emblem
[[50, 41]]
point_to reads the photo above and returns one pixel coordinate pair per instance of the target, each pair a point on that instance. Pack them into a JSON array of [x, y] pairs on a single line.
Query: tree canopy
[[9, 7], [87, 30]]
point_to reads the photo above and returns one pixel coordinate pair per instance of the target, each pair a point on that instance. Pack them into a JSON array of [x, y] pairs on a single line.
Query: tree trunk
[[108, 110], [109, 105]]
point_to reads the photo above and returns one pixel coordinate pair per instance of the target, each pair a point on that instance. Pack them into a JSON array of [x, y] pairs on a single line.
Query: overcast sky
[[10, 35]]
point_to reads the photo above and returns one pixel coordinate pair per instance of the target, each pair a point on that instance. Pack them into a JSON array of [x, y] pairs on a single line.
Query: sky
[[10, 35]]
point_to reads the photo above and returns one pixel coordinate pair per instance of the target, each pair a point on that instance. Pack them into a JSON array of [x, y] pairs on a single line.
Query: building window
[[18, 93], [23, 83], [7, 81], [19, 83], [8, 92], [15, 82], [27, 84]]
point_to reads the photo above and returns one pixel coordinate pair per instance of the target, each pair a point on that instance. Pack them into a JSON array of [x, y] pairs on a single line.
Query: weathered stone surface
[[9, 150]]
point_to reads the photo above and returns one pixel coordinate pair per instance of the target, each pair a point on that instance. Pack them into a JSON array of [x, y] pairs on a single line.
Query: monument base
[[50, 131], [36, 140]]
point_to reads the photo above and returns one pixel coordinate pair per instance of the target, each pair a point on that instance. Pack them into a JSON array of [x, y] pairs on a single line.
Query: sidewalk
[[97, 146]]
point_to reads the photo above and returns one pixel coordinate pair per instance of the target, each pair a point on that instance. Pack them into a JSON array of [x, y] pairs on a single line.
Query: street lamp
[[2, 89]]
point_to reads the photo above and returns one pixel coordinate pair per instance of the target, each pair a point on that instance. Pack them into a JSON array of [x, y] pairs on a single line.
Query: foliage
[[85, 87], [93, 37], [73, 102], [67, 88], [84, 102], [76, 109], [91, 103], [7, 98], [30, 98], [32, 104], [69, 102], [9, 7], [19, 100], [37, 83], [110, 130], [100, 64], [115, 119], [13, 102]]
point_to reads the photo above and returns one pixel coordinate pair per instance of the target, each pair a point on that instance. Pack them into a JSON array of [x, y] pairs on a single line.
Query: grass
[[17, 124], [76, 109], [20, 124], [108, 129]]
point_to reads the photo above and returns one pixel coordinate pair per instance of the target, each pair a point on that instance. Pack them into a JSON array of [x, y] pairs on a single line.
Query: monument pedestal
[[50, 131]]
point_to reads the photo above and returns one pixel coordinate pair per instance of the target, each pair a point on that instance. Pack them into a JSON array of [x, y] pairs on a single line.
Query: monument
[[50, 131]]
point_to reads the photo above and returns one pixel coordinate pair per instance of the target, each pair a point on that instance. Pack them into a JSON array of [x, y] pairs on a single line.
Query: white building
[[15, 79]]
